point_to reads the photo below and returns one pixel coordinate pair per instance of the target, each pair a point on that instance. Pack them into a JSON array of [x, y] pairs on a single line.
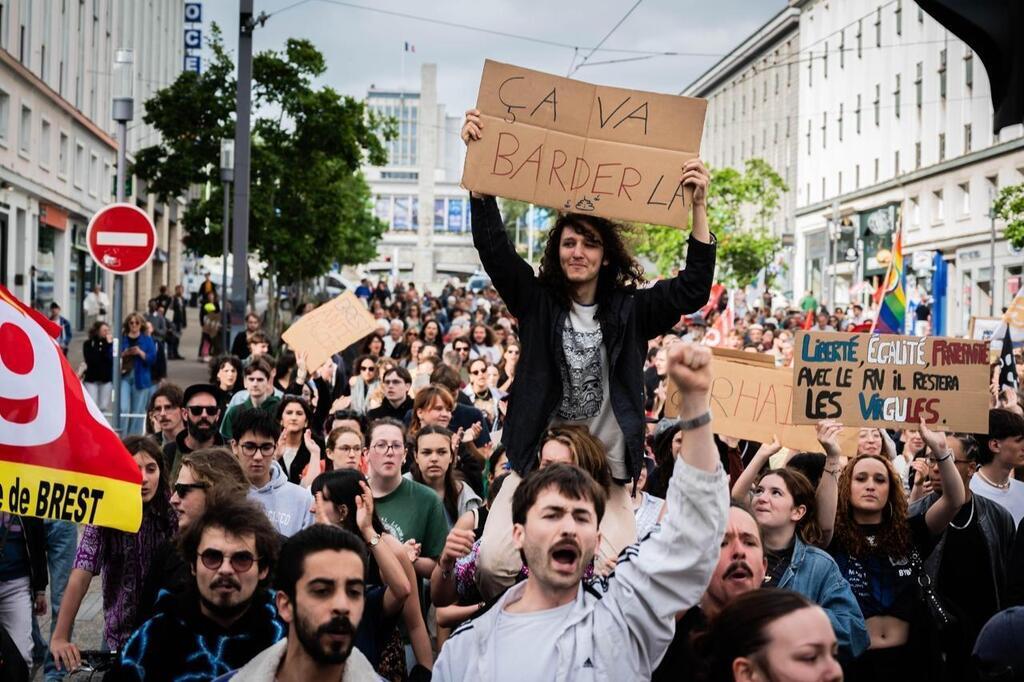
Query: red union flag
[[58, 457]]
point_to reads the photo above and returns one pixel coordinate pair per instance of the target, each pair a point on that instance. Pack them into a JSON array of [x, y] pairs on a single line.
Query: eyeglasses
[[250, 448], [240, 561], [478, 371], [462, 349], [183, 489], [199, 410], [367, 368], [383, 448]]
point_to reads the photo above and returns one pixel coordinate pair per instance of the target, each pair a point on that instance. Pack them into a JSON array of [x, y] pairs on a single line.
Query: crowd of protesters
[[485, 488]]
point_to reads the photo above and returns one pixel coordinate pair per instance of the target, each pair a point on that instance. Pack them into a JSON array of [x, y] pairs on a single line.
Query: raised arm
[[511, 275], [953, 496], [745, 482], [668, 572], [660, 306], [827, 496]]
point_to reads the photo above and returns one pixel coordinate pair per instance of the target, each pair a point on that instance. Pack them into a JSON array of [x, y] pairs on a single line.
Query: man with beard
[[226, 616], [619, 627], [321, 584], [741, 568], [201, 415]]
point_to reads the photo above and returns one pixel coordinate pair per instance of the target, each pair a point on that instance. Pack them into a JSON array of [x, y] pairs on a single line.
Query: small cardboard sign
[[891, 381], [583, 148], [331, 328], [751, 399]]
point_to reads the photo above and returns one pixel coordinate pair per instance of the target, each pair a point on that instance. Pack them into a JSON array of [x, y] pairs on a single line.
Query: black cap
[[998, 648], [196, 389]]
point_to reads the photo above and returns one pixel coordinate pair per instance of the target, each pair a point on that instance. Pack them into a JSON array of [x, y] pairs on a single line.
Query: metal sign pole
[[115, 393]]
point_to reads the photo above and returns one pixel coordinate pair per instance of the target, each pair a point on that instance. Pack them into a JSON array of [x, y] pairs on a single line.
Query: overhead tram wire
[[606, 36]]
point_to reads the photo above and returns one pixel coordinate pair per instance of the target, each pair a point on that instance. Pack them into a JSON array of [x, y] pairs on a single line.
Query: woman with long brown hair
[[875, 544]]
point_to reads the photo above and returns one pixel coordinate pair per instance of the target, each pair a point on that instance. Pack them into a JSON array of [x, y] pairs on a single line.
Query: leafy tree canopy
[[740, 205], [310, 207]]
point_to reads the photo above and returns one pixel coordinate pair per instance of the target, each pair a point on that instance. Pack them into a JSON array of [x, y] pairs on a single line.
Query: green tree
[[1009, 206], [309, 205], [740, 205]]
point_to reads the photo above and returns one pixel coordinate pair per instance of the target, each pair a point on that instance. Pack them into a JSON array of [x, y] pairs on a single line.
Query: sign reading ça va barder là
[[583, 148]]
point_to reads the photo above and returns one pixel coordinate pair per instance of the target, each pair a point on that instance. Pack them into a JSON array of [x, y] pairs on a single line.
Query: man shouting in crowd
[[620, 628], [590, 370]]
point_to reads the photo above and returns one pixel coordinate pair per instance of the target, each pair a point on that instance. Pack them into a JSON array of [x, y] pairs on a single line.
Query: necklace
[[1001, 486], [969, 519]]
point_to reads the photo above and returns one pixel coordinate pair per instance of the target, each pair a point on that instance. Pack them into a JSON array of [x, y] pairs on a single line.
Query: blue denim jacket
[[815, 575]]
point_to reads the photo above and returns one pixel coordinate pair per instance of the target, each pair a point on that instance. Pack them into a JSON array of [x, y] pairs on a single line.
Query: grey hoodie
[[264, 667], [287, 505]]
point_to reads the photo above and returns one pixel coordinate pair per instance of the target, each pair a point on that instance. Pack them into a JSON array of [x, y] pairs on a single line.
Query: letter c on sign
[[32, 410]]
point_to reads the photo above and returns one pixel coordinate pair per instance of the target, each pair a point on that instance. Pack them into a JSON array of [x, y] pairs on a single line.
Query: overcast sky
[[365, 47]]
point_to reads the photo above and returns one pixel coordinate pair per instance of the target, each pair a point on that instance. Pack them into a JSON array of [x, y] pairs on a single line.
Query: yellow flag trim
[[43, 492]]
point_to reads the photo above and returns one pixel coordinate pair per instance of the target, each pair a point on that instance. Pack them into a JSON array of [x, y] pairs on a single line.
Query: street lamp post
[[122, 111], [227, 176]]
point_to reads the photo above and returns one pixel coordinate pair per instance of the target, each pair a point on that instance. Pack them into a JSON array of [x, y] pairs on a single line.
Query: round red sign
[[121, 238]]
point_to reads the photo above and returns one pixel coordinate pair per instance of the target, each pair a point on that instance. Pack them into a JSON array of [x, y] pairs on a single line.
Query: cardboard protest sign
[[58, 457], [331, 328], [751, 399], [891, 381], [583, 148]]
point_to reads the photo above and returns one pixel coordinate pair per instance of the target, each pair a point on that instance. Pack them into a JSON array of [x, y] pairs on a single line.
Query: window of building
[[920, 15], [808, 137], [860, 38], [776, 82], [919, 85], [969, 70], [942, 146], [842, 48], [940, 206], [992, 181], [25, 131], [823, 195], [45, 133], [62, 156], [917, 155], [856, 115], [899, 17], [839, 183], [942, 74], [856, 176], [964, 190], [824, 62], [824, 129], [839, 122], [878, 27], [877, 103], [810, 68], [915, 212], [896, 162], [967, 138], [877, 175], [80, 179], [896, 96], [5, 110], [94, 175]]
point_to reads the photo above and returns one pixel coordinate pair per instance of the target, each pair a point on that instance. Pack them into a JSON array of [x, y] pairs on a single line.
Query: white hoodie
[[264, 667], [287, 505]]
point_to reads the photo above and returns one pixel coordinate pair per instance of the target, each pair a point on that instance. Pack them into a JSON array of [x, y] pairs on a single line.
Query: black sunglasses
[[197, 410], [183, 489], [240, 561]]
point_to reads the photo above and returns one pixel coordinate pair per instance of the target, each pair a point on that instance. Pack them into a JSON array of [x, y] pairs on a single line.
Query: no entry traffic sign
[[121, 238]]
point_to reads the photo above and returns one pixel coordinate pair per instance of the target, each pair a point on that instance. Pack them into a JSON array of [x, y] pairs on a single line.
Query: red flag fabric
[[58, 457], [809, 319]]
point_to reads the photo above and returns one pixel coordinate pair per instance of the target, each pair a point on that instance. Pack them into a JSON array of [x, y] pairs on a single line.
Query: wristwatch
[[697, 422], [374, 541]]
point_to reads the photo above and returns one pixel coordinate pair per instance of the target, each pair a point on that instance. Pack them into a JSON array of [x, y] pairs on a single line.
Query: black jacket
[[628, 318], [996, 526], [35, 546], [99, 360]]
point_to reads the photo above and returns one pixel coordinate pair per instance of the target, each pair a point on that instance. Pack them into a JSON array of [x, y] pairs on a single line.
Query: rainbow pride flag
[[892, 312]]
